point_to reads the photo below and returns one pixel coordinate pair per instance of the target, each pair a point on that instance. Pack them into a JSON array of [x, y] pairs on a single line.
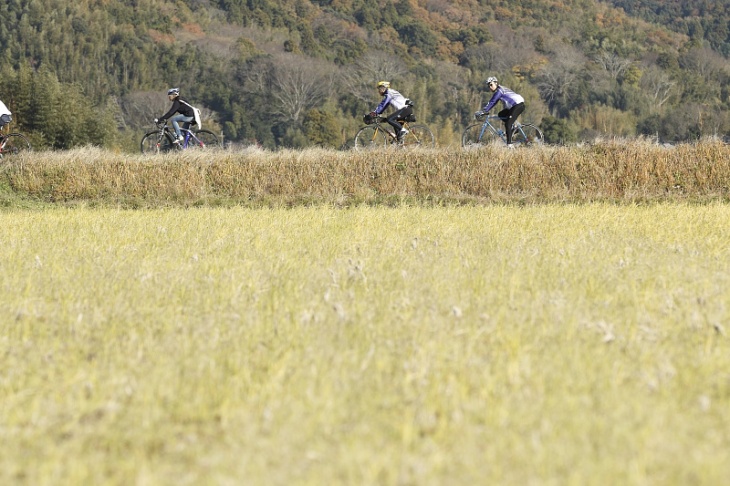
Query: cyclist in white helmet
[[395, 100], [514, 105], [183, 109]]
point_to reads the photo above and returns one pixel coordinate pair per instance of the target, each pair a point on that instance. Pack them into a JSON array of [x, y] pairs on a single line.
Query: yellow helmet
[[384, 84]]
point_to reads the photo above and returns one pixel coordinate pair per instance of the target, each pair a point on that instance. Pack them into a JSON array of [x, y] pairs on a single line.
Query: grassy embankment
[[547, 344], [612, 171]]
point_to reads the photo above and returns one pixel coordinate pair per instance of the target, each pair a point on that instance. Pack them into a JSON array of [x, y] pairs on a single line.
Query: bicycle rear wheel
[[532, 136], [419, 136], [153, 144], [14, 144], [371, 137], [206, 139], [471, 139]]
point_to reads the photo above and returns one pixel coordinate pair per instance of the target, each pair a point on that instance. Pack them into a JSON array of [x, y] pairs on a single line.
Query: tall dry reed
[[614, 171]]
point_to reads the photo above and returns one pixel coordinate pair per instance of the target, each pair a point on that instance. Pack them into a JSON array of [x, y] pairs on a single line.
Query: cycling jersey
[[508, 97], [178, 106], [392, 98]]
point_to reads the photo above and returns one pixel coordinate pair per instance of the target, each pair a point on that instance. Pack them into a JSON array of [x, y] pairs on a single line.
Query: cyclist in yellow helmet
[[393, 99]]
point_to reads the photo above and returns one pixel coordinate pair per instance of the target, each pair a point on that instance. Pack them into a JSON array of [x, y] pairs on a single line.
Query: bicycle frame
[[163, 139], [189, 136], [376, 134], [499, 132], [379, 123], [484, 132]]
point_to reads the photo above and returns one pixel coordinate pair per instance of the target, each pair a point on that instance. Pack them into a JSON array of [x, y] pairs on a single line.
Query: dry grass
[[555, 344], [625, 172]]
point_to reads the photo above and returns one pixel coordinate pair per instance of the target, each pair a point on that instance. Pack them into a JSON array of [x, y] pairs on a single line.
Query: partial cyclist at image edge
[[5, 115], [184, 110], [393, 99], [513, 103]]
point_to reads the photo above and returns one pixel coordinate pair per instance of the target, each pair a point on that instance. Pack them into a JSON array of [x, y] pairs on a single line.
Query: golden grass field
[[274, 340], [552, 344]]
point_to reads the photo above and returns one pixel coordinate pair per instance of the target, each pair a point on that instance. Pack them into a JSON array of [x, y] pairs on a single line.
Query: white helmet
[[492, 79]]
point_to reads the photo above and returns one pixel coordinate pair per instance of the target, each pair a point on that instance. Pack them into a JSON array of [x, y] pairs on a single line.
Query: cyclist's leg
[[399, 115], [510, 116], [176, 120]]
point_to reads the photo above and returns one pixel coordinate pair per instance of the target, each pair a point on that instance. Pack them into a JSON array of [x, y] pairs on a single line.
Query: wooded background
[[295, 73]]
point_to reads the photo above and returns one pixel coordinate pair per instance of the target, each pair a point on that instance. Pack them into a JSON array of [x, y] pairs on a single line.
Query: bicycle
[[13, 144], [376, 135], [484, 133], [162, 139]]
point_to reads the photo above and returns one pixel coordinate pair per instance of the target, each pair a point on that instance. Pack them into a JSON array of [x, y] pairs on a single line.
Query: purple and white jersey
[[508, 97], [393, 98]]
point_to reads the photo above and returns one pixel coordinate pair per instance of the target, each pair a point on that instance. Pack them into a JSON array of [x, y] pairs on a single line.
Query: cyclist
[[514, 105], [401, 104], [184, 112], [5, 115]]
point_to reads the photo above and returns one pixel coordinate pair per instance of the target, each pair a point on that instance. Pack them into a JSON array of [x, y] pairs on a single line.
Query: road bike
[[12, 144], [163, 139], [484, 133], [378, 134]]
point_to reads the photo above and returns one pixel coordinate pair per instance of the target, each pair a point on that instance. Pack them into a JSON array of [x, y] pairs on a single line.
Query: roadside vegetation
[[613, 171]]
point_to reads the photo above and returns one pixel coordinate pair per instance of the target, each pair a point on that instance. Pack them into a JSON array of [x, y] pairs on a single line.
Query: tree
[[298, 85], [322, 129]]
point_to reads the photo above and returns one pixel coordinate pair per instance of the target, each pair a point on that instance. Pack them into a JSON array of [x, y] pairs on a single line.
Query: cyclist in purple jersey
[[514, 105]]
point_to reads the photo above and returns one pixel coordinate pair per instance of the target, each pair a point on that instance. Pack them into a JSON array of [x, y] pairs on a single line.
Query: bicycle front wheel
[[527, 135], [419, 136], [152, 143], [472, 136], [14, 144], [371, 137], [205, 139]]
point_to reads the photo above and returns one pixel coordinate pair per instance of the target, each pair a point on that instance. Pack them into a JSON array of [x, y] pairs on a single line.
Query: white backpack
[[196, 114]]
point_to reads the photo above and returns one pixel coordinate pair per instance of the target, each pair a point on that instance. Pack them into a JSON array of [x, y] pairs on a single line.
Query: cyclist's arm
[[173, 109], [383, 104], [495, 99]]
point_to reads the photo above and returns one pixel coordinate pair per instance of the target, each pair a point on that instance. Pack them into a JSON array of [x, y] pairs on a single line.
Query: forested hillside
[[298, 73]]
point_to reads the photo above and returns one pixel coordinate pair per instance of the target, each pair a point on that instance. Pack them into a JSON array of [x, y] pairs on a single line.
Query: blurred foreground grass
[[373, 346]]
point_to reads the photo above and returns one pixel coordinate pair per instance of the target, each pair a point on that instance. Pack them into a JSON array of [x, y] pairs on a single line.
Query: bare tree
[[658, 84], [298, 84], [614, 65], [368, 70], [141, 107], [294, 84], [556, 80], [703, 61], [488, 57]]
